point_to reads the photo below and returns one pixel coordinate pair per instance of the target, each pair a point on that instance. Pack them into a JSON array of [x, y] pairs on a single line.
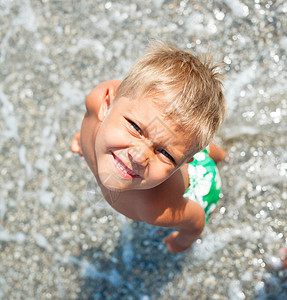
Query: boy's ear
[[108, 98]]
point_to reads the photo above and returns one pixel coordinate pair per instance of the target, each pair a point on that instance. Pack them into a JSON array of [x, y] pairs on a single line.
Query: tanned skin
[[161, 205]]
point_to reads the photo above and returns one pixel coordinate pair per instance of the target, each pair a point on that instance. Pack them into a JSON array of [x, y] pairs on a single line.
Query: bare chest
[[123, 202]]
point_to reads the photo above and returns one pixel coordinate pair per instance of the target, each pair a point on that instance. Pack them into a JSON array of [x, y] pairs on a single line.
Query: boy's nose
[[139, 155]]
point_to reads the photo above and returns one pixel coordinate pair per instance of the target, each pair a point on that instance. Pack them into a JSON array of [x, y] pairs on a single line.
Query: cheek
[[160, 172], [111, 137]]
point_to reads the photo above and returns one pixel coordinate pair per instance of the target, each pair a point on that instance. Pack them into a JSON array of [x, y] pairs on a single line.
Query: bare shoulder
[[95, 97]]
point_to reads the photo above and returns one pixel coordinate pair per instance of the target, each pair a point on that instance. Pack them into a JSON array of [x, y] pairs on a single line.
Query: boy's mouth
[[123, 170]]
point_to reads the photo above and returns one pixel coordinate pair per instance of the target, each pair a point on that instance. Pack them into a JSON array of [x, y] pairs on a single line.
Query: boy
[[283, 257], [140, 136]]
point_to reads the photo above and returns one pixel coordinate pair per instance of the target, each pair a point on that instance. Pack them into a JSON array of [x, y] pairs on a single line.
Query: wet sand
[[58, 237]]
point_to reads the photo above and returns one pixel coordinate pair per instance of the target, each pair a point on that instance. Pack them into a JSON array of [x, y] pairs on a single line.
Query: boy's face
[[136, 148]]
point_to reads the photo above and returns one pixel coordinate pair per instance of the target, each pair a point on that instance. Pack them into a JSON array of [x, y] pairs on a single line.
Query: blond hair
[[188, 91]]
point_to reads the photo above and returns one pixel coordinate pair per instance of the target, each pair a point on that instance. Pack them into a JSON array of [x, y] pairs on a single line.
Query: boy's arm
[[75, 144], [190, 221], [216, 153], [165, 206]]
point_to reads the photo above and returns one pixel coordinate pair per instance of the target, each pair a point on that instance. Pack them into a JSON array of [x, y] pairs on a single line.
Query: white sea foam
[[214, 242], [268, 174], [273, 284], [238, 8], [94, 44], [5, 45], [235, 291], [283, 43], [126, 240], [237, 83], [9, 117], [24, 162], [42, 164], [71, 93], [91, 271], [3, 206], [67, 199], [237, 131], [41, 241], [194, 23], [247, 276], [46, 198], [144, 297], [27, 17], [18, 237], [260, 290], [3, 287], [273, 261], [158, 3]]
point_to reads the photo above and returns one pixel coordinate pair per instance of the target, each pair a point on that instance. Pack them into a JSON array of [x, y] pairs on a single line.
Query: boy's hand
[[283, 257], [216, 153], [171, 242], [75, 145]]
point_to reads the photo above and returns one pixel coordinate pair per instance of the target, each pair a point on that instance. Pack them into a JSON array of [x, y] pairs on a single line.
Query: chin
[[112, 183]]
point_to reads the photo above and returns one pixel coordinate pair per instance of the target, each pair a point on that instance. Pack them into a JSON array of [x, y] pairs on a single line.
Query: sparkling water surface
[[58, 238]]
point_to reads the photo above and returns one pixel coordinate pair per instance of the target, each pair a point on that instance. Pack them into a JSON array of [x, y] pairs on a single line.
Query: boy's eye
[[135, 126], [162, 151]]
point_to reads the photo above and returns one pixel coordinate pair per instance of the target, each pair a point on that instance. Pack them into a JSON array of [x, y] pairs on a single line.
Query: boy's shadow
[[274, 287], [140, 265]]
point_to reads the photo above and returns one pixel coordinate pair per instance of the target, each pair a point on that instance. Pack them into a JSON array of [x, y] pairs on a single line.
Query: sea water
[[58, 237]]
